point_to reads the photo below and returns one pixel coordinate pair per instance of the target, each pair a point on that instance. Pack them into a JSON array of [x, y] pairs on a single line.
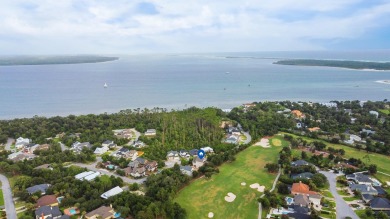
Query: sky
[[191, 26]]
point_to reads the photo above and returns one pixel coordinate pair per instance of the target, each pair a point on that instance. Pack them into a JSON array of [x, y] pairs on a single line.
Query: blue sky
[[158, 26]]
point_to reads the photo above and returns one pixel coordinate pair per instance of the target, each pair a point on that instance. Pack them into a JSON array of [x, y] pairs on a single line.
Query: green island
[[267, 159], [53, 60], [360, 65]]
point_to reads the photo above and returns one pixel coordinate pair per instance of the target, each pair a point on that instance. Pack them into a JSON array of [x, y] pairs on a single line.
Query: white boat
[[105, 85]]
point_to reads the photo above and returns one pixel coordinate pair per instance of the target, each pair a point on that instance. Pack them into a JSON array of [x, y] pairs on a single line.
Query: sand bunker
[[264, 142], [388, 183], [258, 187], [210, 215], [243, 183], [230, 197]]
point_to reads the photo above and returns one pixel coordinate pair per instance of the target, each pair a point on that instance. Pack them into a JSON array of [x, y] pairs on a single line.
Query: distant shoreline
[[356, 65], [54, 60]]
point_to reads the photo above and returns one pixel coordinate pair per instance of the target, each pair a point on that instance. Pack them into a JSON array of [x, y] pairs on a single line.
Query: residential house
[[102, 212], [87, 175], [363, 189], [138, 172], [305, 175], [207, 149], [107, 143], [298, 114], [380, 204], [248, 105], [315, 199], [374, 113], [359, 178], [44, 166], [150, 132], [302, 200], [123, 152], [21, 142], [381, 191], [49, 212], [298, 212], [352, 139], [301, 188], [353, 120], [114, 191], [133, 154], [151, 166], [299, 163], [348, 111], [233, 131], [232, 139], [184, 154], [193, 152], [47, 200], [20, 156], [38, 188], [14, 155], [173, 156], [138, 144], [30, 148], [186, 170], [101, 150], [123, 133], [368, 132], [78, 147], [314, 129], [197, 162], [43, 147], [367, 198]]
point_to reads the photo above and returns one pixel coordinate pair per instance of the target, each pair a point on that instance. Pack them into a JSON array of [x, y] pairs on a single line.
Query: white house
[[197, 162], [80, 176], [374, 113], [21, 142], [101, 150], [112, 192], [207, 149], [92, 176], [150, 132], [186, 170], [173, 156], [133, 154], [107, 143], [315, 199], [30, 148]]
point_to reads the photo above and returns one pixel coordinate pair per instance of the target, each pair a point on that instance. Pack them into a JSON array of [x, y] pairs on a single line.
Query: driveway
[[9, 143], [342, 208], [248, 138], [63, 147], [9, 203]]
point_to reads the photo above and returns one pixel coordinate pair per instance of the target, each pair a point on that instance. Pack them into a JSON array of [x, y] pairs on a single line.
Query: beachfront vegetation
[[337, 63], [52, 60]]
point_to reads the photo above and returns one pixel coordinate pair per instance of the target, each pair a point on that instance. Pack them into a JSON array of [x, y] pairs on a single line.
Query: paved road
[[7, 193], [63, 147], [106, 172], [9, 143], [272, 189], [248, 137], [342, 208]]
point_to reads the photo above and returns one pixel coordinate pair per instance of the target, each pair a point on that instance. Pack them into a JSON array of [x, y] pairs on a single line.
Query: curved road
[[342, 208], [272, 189], [9, 202]]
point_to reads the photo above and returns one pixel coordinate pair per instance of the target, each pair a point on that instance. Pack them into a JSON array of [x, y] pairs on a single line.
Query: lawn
[[385, 111], [207, 195], [1, 198], [382, 161]]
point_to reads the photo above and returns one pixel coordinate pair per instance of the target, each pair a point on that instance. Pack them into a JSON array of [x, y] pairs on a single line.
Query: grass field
[[1, 198], [385, 111], [382, 161], [207, 195]]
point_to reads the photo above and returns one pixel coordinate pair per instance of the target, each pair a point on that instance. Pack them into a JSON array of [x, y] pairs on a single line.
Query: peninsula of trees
[[336, 63], [53, 60]]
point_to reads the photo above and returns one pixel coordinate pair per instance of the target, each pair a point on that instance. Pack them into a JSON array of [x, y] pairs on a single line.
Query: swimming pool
[[289, 200], [72, 211]]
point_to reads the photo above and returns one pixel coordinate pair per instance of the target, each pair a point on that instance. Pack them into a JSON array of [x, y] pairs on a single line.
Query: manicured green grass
[[382, 161], [385, 111], [327, 193], [1, 198], [348, 199], [207, 195]]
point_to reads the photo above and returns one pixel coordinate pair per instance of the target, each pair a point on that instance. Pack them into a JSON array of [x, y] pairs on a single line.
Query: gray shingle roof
[[380, 203], [41, 187], [48, 210]]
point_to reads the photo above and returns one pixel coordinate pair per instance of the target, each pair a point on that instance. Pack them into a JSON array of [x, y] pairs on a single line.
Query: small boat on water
[[105, 85]]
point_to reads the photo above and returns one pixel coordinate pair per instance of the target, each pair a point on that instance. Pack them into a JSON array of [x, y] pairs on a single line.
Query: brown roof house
[[102, 212], [301, 188], [47, 200]]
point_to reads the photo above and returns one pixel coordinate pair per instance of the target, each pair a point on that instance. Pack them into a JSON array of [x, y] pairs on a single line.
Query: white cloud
[[89, 26]]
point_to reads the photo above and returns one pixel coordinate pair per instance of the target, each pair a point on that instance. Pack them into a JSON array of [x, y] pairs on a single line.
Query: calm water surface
[[177, 81]]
